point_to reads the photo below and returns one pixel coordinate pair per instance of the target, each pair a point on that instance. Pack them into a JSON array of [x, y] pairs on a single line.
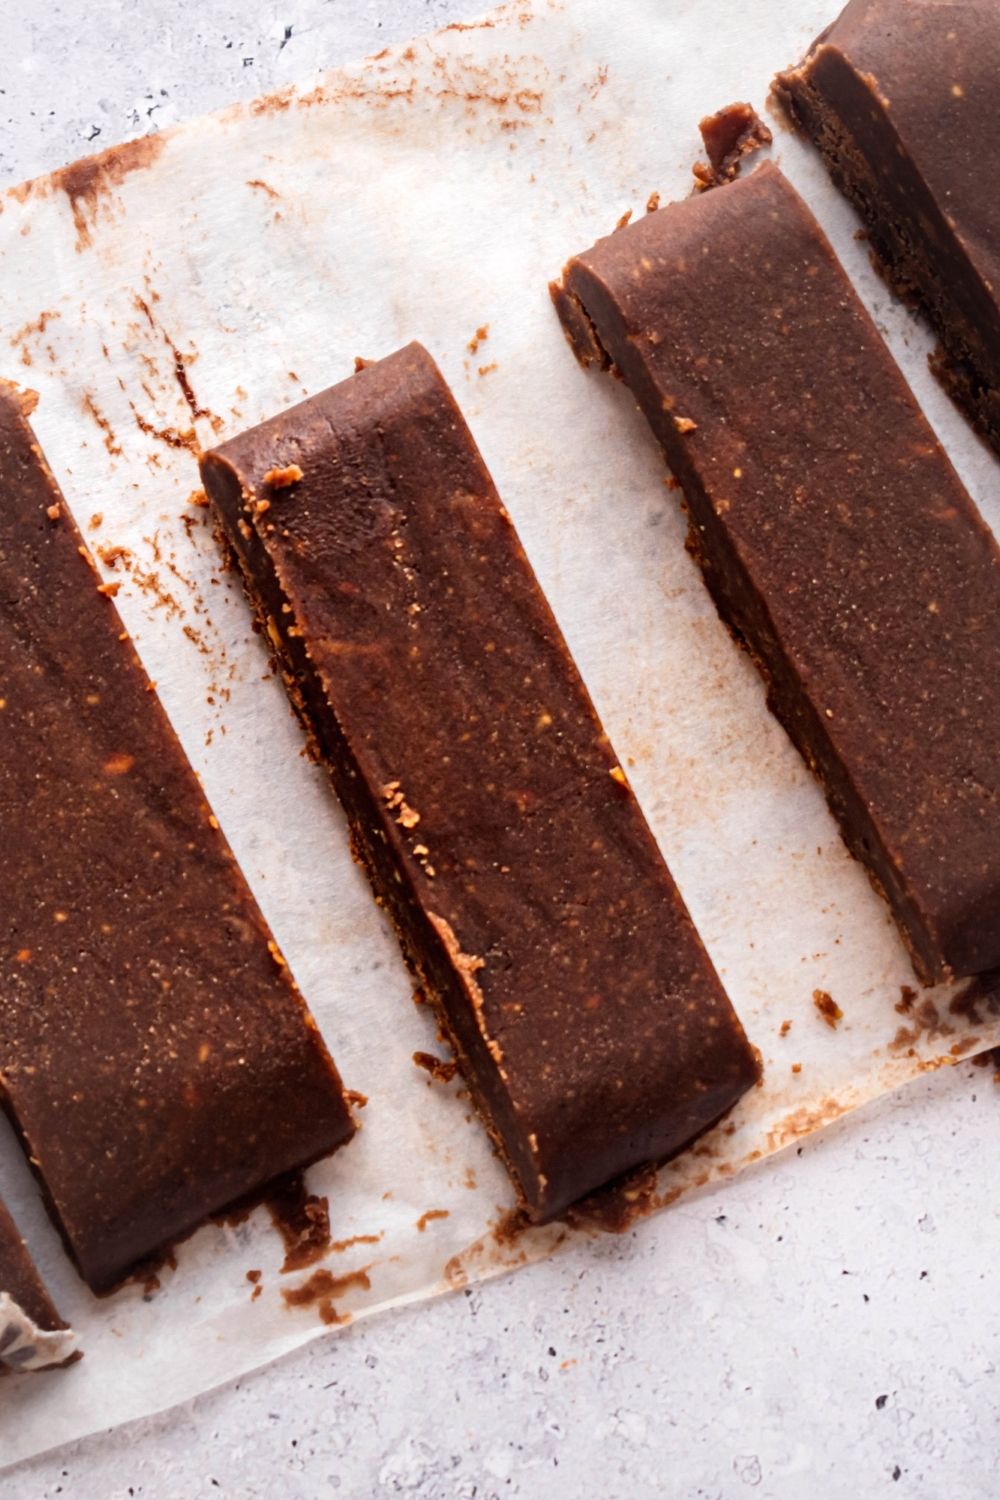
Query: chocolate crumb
[[441, 1071], [906, 1001], [729, 135], [282, 479], [828, 1008], [303, 1221]]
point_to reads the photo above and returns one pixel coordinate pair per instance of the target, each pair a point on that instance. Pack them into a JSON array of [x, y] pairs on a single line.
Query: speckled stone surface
[[828, 1328]]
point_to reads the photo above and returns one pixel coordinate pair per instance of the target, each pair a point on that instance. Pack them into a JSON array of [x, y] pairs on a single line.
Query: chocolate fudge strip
[[902, 99], [833, 533], [155, 1056], [21, 1283], [485, 802]]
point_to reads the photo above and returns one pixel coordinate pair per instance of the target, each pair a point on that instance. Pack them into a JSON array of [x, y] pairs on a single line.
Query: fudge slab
[[902, 97], [833, 532], [155, 1056], [485, 802]]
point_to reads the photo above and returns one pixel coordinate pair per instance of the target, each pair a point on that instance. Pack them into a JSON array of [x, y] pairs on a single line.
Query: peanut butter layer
[[485, 801], [833, 532], [156, 1058], [901, 97]]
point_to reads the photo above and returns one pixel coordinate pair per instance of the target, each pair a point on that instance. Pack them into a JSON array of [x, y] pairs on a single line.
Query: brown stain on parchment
[[503, 1244], [168, 587], [455, 1273], [519, 12], [506, 90], [27, 339], [171, 437], [179, 370], [430, 1215], [111, 443], [149, 580], [926, 1023], [804, 1121], [477, 89], [969, 1012], [90, 184], [319, 1290], [487, 24], [338, 1246]]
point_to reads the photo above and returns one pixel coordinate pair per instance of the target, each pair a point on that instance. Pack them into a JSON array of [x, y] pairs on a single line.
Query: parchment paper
[[431, 193]]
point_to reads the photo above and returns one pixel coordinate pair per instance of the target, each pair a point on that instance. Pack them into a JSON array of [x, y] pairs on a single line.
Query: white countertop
[[823, 1329]]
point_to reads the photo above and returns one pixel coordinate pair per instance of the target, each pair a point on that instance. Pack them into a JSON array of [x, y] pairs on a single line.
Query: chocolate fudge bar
[[25, 1305], [902, 99], [485, 802], [155, 1056], [832, 530]]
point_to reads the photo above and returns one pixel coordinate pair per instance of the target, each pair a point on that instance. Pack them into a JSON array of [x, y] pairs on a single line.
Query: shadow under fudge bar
[[156, 1058], [22, 1285], [836, 538], [903, 100], [485, 802]]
